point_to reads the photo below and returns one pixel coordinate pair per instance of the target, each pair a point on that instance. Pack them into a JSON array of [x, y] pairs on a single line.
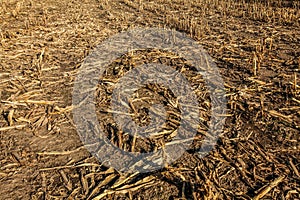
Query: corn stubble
[[254, 43]]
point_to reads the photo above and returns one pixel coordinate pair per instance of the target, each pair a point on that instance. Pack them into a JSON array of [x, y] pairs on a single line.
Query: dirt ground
[[254, 44]]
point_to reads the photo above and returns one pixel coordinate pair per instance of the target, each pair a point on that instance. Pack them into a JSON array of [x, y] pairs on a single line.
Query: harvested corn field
[[255, 46]]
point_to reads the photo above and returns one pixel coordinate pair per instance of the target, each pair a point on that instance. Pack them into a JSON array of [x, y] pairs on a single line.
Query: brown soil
[[254, 44]]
